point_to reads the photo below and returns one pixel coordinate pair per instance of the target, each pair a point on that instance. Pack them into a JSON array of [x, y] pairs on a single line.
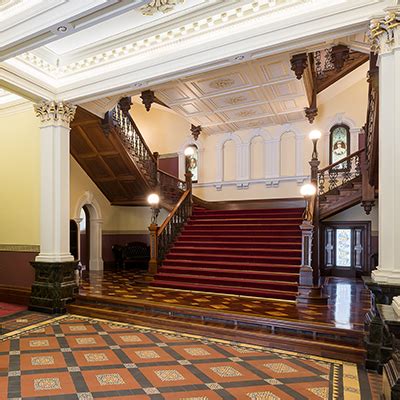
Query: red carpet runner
[[245, 252]]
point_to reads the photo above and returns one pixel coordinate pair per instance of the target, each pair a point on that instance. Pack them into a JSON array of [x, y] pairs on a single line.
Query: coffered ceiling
[[85, 50], [249, 95]]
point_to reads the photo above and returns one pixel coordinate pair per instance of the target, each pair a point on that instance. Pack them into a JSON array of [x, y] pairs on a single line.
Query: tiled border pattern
[[344, 382]]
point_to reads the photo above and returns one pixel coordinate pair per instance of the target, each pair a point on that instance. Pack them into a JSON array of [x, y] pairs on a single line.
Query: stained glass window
[[192, 163], [343, 247], [339, 144]]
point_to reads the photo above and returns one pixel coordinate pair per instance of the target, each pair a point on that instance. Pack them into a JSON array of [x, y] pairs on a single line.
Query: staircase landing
[[334, 331]]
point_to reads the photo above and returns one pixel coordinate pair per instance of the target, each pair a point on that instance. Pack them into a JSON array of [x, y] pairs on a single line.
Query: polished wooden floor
[[335, 330], [349, 301]]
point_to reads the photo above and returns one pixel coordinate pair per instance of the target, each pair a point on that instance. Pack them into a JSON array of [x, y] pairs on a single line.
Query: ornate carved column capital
[[55, 113], [384, 32]]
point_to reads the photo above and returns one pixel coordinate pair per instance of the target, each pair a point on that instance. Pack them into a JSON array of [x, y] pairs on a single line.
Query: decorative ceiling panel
[[249, 95]]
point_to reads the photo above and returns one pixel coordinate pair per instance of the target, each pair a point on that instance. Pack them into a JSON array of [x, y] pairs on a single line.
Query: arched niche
[[91, 205], [287, 152], [257, 157]]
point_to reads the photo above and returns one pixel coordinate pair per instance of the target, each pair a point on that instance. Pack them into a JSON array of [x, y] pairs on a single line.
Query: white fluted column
[[385, 37], [54, 181]]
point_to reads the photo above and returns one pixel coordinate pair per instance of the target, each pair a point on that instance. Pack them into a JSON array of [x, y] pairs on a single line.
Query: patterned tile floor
[[18, 317], [72, 357], [349, 300]]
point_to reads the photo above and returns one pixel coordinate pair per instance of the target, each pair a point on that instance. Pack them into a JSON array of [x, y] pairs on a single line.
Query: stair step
[[259, 238], [274, 294], [250, 274], [227, 228], [233, 265], [185, 242], [178, 249], [291, 336], [228, 257], [235, 232]]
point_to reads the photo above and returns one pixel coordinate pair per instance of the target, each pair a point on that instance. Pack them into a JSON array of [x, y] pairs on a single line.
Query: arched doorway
[[73, 239], [84, 236], [88, 217]]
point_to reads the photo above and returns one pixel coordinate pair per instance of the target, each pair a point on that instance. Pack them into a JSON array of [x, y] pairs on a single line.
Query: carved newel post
[[154, 201], [54, 284], [310, 291]]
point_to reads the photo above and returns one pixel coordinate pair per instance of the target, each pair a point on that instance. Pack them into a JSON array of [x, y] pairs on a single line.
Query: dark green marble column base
[[54, 286]]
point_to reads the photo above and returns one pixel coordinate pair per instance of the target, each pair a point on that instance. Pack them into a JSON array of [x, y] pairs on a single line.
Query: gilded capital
[[52, 112], [384, 32]]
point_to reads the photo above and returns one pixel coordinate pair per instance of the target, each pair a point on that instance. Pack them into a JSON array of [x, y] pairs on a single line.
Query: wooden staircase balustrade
[[133, 140]]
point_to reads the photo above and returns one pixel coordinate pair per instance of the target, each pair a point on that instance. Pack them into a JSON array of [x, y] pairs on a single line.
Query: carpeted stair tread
[[231, 265], [250, 274], [184, 242], [258, 238], [237, 257], [274, 294], [259, 219], [229, 282], [239, 251], [229, 232]]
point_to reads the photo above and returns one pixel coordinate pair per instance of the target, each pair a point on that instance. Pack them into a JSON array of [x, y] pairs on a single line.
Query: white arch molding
[[267, 152], [96, 229], [181, 157], [299, 148], [240, 174]]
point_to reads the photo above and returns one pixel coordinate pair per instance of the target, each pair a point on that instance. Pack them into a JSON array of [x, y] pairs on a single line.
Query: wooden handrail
[[171, 176], [173, 212], [341, 161]]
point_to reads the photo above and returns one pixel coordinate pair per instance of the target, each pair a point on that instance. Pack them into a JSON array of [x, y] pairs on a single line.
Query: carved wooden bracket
[[299, 64], [125, 104], [340, 54], [196, 130], [311, 113], [148, 98]]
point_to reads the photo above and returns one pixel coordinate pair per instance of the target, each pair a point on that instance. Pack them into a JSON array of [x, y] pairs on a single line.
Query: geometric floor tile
[[72, 357]]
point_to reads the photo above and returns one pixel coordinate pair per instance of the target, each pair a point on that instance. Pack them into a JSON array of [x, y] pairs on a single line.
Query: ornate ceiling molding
[[384, 32], [162, 6]]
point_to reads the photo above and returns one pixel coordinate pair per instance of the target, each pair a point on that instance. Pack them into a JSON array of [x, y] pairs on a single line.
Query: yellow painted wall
[[19, 179]]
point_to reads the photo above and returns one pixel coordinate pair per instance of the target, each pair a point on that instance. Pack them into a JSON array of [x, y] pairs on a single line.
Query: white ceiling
[[248, 95], [111, 48]]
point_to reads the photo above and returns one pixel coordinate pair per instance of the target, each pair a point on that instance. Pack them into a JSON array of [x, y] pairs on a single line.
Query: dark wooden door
[[346, 248], [73, 238]]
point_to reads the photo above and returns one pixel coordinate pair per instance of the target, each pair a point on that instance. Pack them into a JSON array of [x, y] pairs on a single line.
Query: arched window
[[192, 163], [339, 144]]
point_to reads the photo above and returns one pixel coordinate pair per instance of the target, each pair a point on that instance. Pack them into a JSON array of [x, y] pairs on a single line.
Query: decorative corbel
[[196, 130], [299, 64], [125, 104], [148, 98], [340, 54]]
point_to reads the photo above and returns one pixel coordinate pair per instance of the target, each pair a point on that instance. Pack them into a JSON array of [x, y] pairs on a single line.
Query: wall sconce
[[154, 201], [314, 135]]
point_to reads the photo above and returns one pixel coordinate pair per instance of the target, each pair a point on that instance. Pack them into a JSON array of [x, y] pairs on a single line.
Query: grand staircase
[[242, 252]]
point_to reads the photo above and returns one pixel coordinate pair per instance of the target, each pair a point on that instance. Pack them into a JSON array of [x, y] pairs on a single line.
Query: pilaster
[[385, 40]]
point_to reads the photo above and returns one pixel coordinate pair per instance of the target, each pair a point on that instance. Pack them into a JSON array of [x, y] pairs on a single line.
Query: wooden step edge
[[309, 346], [147, 305]]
